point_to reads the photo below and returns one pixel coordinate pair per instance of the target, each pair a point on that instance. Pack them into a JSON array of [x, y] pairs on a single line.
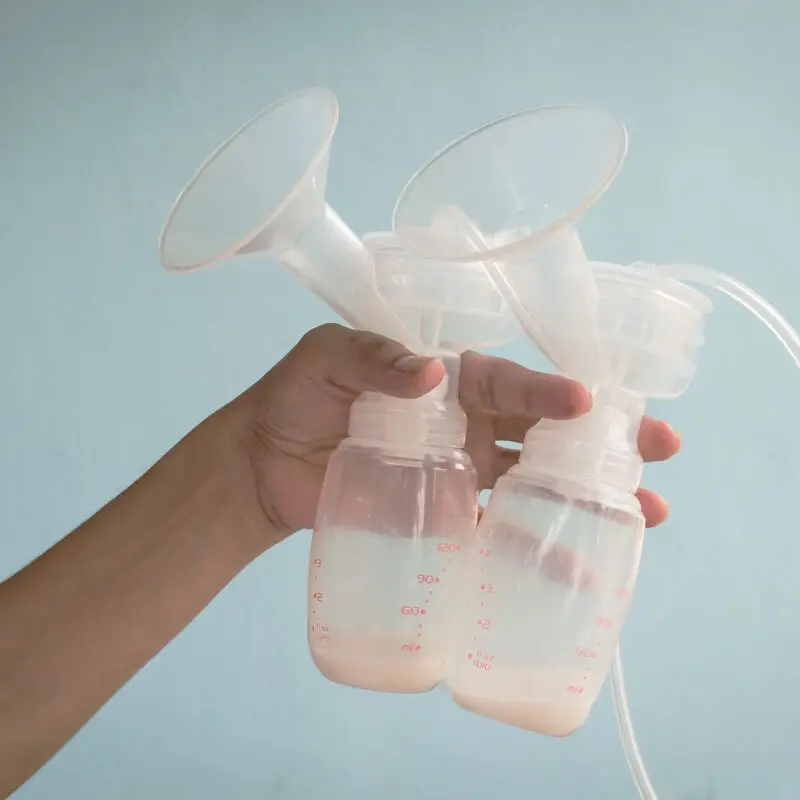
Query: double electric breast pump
[[521, 615]]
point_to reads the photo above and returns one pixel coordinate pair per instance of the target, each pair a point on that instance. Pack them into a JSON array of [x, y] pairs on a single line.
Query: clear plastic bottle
[[398, 505], [549, 579]]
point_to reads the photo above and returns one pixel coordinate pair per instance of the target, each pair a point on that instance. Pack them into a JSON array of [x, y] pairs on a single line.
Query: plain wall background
[[106, 108]]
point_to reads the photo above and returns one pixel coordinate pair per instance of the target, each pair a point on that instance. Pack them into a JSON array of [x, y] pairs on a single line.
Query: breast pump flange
[[400, 493], [518, 185]]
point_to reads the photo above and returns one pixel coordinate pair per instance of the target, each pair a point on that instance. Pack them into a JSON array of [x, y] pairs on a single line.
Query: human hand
[[298, 413]]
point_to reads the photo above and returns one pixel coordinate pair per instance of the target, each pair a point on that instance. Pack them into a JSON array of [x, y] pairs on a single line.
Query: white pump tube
[[790, 339]]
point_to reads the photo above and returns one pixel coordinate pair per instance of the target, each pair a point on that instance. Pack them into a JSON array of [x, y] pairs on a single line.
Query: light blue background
[[107, 107]]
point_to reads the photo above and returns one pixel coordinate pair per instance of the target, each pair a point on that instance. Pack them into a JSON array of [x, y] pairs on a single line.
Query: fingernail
[[411, 363], [581, 401]]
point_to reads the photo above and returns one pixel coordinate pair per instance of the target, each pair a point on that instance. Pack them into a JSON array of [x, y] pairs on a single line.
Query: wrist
[[211, 470]]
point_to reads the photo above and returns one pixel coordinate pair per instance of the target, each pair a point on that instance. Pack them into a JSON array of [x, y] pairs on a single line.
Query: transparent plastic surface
[[650, 329], [268, 176], [548, 584], [263, 192], [520, 179], [519, 183], [384, 559], [444, 308]]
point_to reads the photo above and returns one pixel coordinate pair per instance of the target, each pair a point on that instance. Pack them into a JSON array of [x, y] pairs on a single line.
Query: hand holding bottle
[[298, 414]]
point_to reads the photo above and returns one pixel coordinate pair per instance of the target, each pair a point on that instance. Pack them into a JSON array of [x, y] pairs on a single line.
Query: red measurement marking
[[427, 579], [585, 652], [412, 610], [484, 553], [485, 624], [410, 648], [317, 596], [573, 688], [320, 632], [317, 562], [483, 661], [446, 547], [422, 610], [469, 656], [487, 587], [603, 622]]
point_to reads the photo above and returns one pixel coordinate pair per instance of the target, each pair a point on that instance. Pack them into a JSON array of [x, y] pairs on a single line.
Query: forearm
[[82, 619]]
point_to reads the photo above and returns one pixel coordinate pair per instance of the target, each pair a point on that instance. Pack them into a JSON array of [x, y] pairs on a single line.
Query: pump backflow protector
[[483, 242]]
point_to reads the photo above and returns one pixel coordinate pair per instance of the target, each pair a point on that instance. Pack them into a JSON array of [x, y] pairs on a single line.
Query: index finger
[[499, 386]]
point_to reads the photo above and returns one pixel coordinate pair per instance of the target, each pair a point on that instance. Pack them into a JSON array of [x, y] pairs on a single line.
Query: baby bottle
[[399, 501], [398, 504], [550, 577]]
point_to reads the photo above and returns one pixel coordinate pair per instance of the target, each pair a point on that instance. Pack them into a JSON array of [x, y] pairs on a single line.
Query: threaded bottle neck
[[598, 450], [435, 419]]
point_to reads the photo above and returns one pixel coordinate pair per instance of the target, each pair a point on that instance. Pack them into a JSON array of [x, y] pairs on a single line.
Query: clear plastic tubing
[[790, 339]]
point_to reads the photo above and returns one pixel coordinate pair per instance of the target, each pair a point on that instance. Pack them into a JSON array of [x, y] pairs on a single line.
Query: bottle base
[[546, 718], [405, 674]]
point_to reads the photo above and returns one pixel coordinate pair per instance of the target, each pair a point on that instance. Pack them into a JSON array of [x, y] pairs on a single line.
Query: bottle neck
[[310, 240], [433, 420], [598, 451]]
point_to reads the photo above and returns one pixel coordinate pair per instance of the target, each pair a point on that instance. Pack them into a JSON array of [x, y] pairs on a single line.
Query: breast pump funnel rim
[[427, 191], [521, 182], [317, 162], [263, 191]]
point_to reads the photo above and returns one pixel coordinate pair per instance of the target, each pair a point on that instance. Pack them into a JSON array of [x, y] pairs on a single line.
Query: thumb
[[359, 361]]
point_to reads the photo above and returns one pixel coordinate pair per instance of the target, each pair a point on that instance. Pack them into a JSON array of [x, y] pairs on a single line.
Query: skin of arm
[[79, 621]]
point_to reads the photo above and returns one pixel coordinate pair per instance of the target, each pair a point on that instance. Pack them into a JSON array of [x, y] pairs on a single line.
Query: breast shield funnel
[[521, 183], [263, 191]]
